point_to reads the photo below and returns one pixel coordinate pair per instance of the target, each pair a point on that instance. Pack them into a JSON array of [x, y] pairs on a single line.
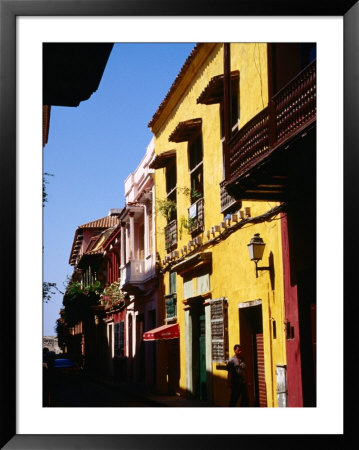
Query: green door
[[199, 352]]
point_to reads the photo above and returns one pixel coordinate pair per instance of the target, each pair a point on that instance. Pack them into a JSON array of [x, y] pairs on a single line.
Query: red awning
[[163, 332]]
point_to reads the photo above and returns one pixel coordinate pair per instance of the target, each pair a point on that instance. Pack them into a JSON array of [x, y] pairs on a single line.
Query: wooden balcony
[[171, 235], [227, 201], [196, 216], [290, 115]]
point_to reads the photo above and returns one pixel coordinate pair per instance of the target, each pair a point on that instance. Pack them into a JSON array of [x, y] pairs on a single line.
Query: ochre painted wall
[[233, 274]]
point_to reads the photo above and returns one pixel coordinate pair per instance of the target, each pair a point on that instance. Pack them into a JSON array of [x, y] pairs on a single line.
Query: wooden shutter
[[261, 375], [219, 330]]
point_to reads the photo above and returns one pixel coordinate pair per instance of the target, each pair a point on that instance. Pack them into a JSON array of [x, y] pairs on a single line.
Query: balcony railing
[[295, 104], [227, 201], [196, 216], [289, 112], [137, 271], [133, 272], [171, 235]]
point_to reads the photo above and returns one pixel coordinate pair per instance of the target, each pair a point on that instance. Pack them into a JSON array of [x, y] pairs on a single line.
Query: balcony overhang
[[131, 209], [273, 156], [214, 91], [163, 160], [184, 131], [282, 173]]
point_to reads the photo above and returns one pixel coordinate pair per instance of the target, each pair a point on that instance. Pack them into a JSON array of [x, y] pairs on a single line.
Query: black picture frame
[[9, 10]]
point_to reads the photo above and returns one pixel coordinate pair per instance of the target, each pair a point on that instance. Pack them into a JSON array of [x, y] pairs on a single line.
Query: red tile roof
[[99, 224], [104, 222]]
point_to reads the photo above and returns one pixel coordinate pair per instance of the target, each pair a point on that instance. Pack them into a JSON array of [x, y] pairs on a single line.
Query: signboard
[[192, 211], [219, 329]]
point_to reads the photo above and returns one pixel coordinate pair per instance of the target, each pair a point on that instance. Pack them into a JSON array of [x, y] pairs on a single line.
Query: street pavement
[[90, 391], [142, 392]]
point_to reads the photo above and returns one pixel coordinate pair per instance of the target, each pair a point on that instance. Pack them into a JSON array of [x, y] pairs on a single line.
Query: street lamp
[[256, 249]]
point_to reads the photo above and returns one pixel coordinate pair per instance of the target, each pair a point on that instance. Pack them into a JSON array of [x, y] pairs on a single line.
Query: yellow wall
[[233, 274]]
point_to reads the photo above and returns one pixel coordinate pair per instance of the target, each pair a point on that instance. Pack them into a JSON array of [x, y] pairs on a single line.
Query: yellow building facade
[[209, 284]]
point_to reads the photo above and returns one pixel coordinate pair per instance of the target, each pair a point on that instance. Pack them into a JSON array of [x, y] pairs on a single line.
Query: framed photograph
[[24, 26]]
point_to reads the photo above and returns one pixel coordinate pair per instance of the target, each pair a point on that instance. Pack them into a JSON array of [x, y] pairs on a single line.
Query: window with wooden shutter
[[219, 330], [171, 298]]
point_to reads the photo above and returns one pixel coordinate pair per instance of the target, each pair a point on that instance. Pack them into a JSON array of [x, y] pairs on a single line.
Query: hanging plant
[[78, 299], [188, 224], [193, 194], [112, 295], [167, 208]]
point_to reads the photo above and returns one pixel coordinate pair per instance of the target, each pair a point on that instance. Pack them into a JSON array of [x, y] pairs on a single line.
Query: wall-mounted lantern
[[256, 249]]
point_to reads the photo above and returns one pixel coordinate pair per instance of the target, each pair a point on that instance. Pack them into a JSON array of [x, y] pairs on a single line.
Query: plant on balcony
[[167, 208], [78, 299], [188, 224], [112, 295], [192, 194]]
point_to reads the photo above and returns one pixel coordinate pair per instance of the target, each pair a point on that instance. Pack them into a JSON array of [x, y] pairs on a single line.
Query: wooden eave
[[193, 262], [163, 159], [214, 91], [46, 112], [72, 71], [184, 131], [96, 225], [86, 258], [112, 237]]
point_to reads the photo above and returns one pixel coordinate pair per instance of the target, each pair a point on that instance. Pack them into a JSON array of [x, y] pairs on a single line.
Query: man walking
[[237, 378]]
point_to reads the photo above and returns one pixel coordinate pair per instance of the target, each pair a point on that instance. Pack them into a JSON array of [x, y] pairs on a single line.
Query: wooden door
[[251, 339], [199, 374]]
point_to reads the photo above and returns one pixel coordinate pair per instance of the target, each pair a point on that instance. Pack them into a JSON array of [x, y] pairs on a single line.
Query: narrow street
[[88, 393]]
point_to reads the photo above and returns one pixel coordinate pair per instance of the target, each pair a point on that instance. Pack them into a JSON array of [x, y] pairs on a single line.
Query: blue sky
[[94, 147]]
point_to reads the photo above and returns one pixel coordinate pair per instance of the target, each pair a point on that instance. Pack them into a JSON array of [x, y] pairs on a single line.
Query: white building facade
[[138, 269]]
